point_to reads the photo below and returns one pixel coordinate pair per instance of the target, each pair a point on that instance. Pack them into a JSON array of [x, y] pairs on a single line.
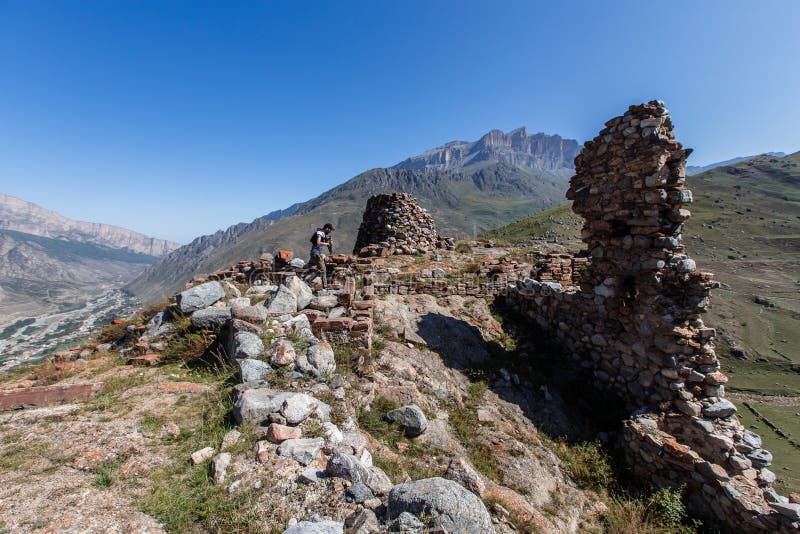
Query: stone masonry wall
[[397, 224], [630, 313]]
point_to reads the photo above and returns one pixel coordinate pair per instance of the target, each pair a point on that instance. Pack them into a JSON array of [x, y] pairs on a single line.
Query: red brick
[[44, 395]]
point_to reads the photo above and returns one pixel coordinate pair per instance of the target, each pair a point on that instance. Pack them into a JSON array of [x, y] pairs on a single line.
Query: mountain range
[[467, 186], [49, 263], [697, 169]]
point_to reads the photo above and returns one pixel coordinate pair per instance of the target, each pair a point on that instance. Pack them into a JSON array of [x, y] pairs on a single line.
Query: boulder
[[281, 353], [721, 408], [362, 522], [248, 345], [316, 527], [257, 291], [252, 370], [297, 263], [251, 314], [319, 360], [461, 471], [350, 468], [298, 406], [156, 327], [301, 291], [303, 450], [211, 318], [410, 418], [199, 297], [358, 493], [450, 505], [407, 523], [284, 301], [324, 302]]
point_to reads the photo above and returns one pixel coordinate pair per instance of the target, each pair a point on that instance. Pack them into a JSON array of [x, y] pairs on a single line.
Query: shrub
[[587, 463], [463, 248]]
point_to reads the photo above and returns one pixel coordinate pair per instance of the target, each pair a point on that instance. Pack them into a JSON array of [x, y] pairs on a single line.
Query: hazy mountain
[[696, 169], [478, 190], [22, 216], [49, 263], [538, 151]]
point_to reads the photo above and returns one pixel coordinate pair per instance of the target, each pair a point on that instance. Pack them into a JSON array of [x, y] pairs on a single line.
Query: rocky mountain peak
[[538, 151]]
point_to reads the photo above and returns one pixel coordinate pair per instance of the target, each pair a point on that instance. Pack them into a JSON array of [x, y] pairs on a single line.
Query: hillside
[[745, 228], [478, 197], [691, 170]]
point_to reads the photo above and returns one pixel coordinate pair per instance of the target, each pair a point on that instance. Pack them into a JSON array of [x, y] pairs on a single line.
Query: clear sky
[[180, 118]]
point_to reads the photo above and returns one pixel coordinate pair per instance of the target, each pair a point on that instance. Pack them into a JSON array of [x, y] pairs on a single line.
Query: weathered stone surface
[[461, 471], [319, 527], [211, 318], [277, 433], [199, 297], [302, 450], [44, 395], [202, 455], [358, 493], [410, 418], [220, 467], [253, 370], [257, 291], [297, 407], [324, 302], [230, 439], [248, 345], [281, 353], [721, 408], [319, 360], [301, 291], [362, 522], [252, 314], [350, 468], [257, 404], [284, 301], [454, 507]]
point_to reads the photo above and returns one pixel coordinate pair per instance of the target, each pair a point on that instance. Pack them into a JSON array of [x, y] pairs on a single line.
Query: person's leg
[[323, 270]]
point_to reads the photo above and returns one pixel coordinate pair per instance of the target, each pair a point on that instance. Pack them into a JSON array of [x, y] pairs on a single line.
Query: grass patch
[[104, 474], [587, 464], [663, 512]]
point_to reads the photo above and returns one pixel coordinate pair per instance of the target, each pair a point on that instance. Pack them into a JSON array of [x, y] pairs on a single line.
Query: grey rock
[[302, 450], [316, 527], [358, 493], [407, 524], [298, 263], [301, 291], [248, 345], [284, 301], [752, 439], [787, 509], [220, 467], [211, 318], [721, 408], [257, 404], [199, 297], [339, 311], [410, 418], [251, 314], [350, 468], [156, 327], [320, 360], [258, 291], [310, 476], [760, 458], [362, 522], [452, 506], [297, 407], [281, 353], [239, 301], [251, 370], [324, 302]]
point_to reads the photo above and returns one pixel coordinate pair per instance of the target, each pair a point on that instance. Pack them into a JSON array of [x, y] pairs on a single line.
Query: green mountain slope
[[481, 197]]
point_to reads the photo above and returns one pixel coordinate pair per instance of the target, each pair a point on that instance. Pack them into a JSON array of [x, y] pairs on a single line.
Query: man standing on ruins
[[321, 238]]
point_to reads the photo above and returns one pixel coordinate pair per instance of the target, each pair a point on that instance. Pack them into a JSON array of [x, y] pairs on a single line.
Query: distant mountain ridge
[[22, 216], [697, 169], [477, 189], [539, 151]]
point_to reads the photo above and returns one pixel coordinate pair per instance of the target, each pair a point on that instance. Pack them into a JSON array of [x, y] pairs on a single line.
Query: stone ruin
[[629, 311], [397, 224]]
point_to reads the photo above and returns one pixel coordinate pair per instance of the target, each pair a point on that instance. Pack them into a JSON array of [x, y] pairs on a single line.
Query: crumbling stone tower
[[629, 312], [630, 187], [397, 224]]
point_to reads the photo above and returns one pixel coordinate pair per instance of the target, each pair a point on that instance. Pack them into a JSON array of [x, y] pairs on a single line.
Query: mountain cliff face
[[21, 216], [539, 151]]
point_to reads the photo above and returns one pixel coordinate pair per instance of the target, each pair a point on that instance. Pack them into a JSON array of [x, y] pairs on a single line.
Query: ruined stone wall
[[631, 315], [397, 224]]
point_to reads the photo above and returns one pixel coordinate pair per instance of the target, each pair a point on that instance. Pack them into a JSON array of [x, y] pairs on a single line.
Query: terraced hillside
[[745, 227]]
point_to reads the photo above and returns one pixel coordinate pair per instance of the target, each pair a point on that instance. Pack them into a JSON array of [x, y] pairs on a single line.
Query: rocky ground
[[448, 421]]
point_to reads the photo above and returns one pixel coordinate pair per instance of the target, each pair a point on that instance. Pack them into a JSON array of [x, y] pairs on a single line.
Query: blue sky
[[180, 118]]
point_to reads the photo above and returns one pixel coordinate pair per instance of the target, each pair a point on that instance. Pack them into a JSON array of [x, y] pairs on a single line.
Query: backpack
[[314, 238]]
